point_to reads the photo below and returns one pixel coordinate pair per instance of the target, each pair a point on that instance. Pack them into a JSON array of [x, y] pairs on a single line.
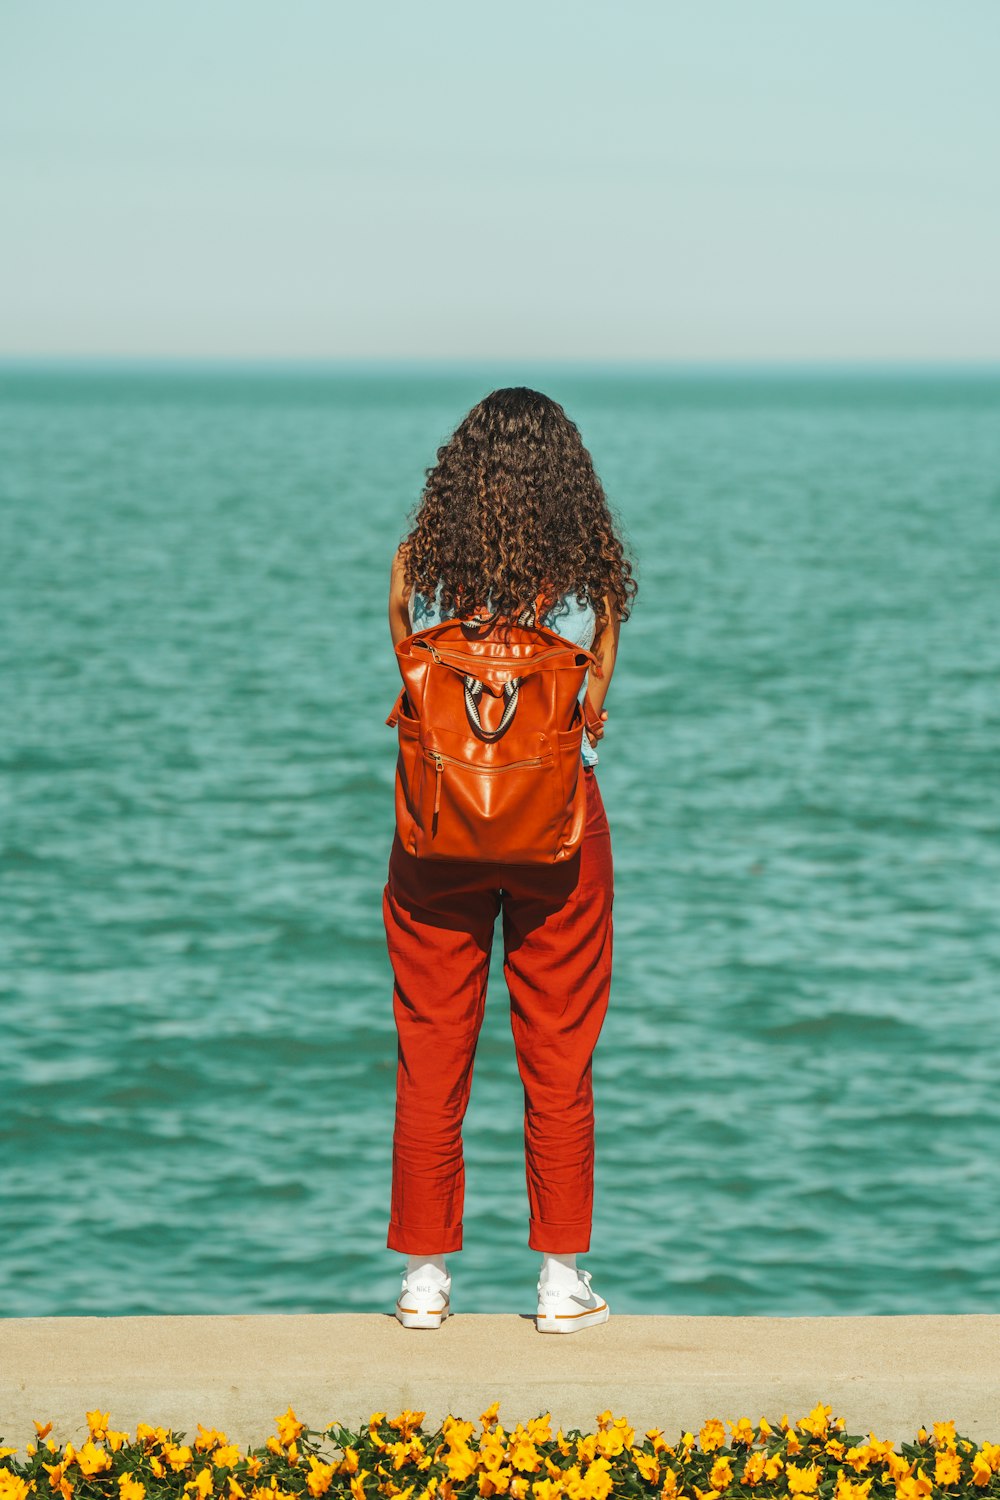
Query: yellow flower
[[98, 1421], [93, 1460], [157, 1467], [489, 1416], [764, 1428], [13, 1488], [456, 1432], [147, 1435], [753, 1469], [847, 1489], [947, 1468], [572, 1481], [494, 1481], [669, 1490], [712, 1435], [201, 1484], [897, 1467], [981, 1471], [460, 1462], [817, 1421], [58, 1480], [539, 1429], [289, 1427], [236, 1490], [226, 1456], [320, 1477], [399, 1453], [407, 1422], [742, 1432], [721, 1473], [42, 1432], [647, 1465], [944, 1434], [253, 1466], [834, 1447], [178, 1455], [349, 1463], [858, 1458], [129, 1488], [611, 1442], [793, 1443], [597, 1483], [914, 1488], [546, 1489], [519, 1487], [802, 1478], [773, 1466], [208, 1438], [358, 1485], [991, 1453], [492, 1452], [522, 1452]]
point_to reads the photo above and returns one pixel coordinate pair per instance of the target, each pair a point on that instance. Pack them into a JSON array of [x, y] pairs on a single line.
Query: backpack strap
[[591, 717]]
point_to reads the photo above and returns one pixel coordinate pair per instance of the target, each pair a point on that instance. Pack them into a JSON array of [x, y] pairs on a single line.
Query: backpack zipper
[[439, 760], [512, 765], [428, 646]]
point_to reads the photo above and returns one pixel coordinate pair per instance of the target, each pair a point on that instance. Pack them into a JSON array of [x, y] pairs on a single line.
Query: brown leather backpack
[[490, 732]]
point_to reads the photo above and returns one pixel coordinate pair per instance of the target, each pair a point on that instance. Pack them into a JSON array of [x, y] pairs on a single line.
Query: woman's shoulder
[[572, 619]]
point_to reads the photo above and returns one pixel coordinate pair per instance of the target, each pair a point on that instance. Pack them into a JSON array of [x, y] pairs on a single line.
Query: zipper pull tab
[[438, 773]]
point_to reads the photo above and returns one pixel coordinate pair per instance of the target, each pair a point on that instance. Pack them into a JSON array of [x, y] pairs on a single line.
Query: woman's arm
[[399, 615], [605, 648]]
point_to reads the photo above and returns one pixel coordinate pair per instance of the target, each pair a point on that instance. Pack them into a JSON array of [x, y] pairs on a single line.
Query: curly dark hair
[[512, 510]]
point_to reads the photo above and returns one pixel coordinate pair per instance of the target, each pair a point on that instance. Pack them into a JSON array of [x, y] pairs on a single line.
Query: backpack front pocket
[[508, 811]]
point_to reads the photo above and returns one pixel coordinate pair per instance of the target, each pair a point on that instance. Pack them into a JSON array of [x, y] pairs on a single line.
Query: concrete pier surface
[[889, 1375]]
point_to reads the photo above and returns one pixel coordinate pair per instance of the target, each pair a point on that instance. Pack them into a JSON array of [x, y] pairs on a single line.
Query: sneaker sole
[[571, 1322], [412, 1317]]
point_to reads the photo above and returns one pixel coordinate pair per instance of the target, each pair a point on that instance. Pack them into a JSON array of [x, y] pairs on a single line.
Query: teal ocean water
[[798, 1086]]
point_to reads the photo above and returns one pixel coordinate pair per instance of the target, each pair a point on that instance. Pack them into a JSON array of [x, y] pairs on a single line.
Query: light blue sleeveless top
[[574, 621]]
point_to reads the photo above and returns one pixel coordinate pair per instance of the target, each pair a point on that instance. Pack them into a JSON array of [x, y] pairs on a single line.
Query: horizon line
[[447, 364]]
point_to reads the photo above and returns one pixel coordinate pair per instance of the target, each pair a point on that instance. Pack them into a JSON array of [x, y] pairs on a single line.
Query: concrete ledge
[[237, 1373]]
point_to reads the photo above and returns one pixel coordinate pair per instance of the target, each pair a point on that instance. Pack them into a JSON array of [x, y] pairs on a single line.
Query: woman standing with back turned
[[511, 512]]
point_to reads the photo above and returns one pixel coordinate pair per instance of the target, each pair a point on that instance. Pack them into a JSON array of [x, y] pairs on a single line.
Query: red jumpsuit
[[557, 933]]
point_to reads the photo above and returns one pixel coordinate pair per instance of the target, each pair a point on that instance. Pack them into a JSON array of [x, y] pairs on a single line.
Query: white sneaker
[[565, 1310], [424, 1303]]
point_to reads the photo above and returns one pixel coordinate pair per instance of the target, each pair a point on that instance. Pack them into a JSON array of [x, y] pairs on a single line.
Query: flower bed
[[395, 1457]]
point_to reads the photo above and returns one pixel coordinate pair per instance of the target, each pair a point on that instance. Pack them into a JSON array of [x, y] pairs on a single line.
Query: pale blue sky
[[639, 179]]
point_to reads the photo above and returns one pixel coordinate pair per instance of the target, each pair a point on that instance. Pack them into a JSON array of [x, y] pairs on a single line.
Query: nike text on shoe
[[424, 1304], [563, 1310]]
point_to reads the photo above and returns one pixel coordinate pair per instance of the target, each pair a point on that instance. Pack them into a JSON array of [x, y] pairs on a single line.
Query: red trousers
[[557, 932]]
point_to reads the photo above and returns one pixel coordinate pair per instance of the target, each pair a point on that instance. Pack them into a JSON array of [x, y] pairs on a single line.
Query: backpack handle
[[473, 693], [591, 717]]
